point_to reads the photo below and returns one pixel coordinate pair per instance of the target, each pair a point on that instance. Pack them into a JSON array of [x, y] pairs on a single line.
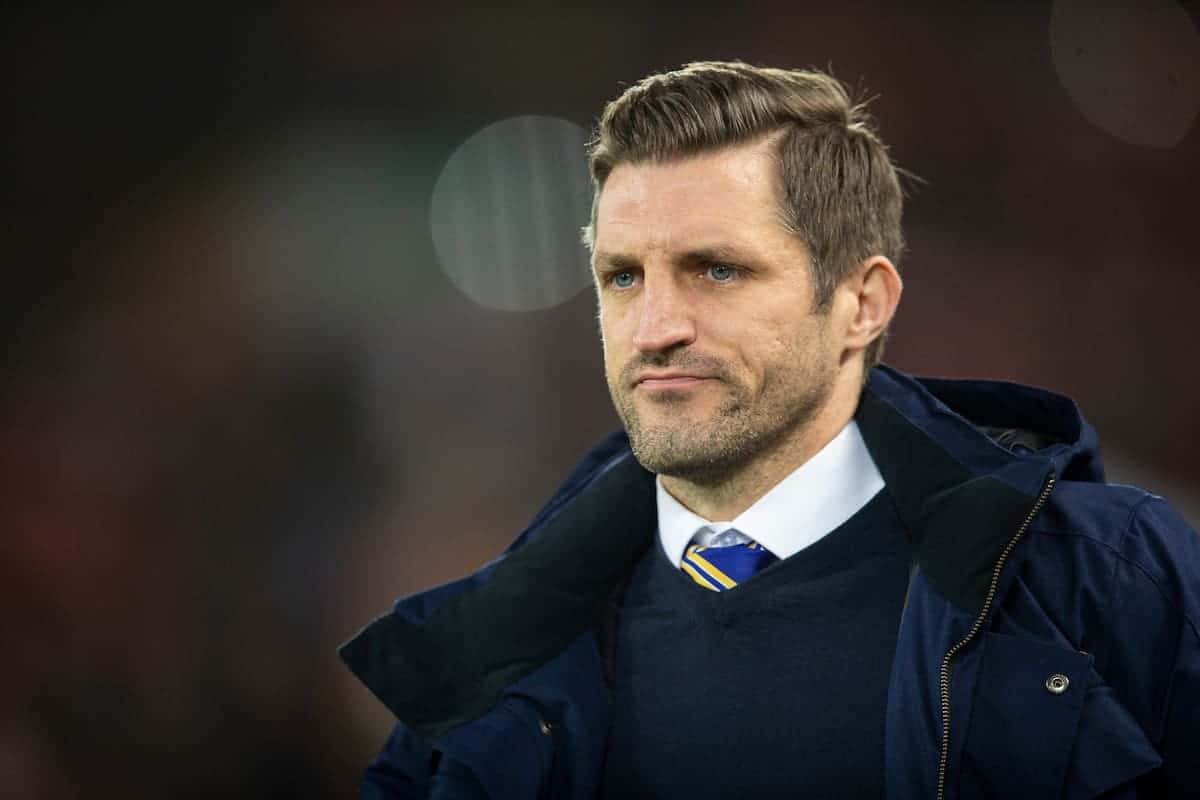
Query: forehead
[[727, 196]]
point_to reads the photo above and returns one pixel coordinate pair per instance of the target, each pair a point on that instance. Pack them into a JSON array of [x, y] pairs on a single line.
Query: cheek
[[761, 340], [772, 349], [610, 346], [613, 331]]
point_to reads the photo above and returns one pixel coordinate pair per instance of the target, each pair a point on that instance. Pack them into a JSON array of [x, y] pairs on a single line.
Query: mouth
[[669, 380]]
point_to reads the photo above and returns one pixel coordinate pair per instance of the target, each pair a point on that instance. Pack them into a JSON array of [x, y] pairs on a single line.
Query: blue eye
[[722, 273], [622, 280]]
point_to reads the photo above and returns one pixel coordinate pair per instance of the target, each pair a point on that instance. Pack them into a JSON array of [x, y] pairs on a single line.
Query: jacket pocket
[[508, 751], [1043, 725], [1111, 749]]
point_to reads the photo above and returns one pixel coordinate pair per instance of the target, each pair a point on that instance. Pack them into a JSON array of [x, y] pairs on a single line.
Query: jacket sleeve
[[1162, 558], [409, 768]]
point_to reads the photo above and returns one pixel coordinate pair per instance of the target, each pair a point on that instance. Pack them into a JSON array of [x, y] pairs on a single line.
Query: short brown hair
[[839, 191]]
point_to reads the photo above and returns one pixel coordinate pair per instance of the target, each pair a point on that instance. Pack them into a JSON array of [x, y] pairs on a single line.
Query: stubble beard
[[712, 449]]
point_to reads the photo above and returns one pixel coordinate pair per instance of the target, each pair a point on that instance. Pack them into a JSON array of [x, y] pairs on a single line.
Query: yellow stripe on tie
[[697, 577], [716, 574]]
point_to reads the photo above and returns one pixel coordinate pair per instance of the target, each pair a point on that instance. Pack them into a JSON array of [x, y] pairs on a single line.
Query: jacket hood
[[964, 461], [1017, 419]]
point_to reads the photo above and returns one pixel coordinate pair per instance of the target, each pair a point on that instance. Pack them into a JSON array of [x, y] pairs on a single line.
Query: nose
[[666, 320]]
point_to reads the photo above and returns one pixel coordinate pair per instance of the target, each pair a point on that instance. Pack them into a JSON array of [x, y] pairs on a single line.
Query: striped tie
[[721, 568]]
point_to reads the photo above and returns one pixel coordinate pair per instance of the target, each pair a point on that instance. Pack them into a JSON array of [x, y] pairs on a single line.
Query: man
[[796, 572]]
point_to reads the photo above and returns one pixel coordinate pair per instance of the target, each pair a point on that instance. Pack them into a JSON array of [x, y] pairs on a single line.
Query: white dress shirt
[[812, 501]]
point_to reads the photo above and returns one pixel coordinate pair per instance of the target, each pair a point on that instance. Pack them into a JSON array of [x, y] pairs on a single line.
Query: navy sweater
[[776, 688]]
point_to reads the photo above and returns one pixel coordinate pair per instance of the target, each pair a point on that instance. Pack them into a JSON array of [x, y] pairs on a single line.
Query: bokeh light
[[507, 210], [1133, 69]]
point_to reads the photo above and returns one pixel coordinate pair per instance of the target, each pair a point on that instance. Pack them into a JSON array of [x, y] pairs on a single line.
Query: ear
[[869, 296]]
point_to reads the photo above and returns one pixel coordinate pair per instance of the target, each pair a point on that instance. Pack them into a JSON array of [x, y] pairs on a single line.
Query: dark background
[[243, 407]]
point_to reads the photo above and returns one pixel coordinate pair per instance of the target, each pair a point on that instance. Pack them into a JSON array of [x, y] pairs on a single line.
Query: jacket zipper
[[948, 659]]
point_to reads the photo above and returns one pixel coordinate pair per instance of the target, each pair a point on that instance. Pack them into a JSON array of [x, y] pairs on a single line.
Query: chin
[[695, 467], [676, 445]]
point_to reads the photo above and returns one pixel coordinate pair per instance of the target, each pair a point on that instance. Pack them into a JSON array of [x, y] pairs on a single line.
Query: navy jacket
[[1049, 644]]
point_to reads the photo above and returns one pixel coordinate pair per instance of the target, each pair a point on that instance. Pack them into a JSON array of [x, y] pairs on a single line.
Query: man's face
[[713, 352]]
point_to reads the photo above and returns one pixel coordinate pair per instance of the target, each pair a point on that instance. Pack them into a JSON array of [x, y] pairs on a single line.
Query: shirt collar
[[813, 500]]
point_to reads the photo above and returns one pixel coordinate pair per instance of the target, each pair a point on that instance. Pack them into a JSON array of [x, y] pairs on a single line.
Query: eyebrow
[[608, 262], [611, 262], [716, 253]]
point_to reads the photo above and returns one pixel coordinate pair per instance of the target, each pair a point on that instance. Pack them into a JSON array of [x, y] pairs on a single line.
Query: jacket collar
[[961, 495]]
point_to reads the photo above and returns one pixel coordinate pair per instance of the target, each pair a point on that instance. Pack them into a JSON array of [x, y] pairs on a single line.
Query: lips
[[691, 371], [669, 380]]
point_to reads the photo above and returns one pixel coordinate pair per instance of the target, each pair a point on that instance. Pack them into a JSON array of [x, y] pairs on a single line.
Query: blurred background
[[299, 323]]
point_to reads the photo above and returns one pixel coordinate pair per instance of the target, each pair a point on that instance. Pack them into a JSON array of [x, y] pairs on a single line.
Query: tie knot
[[728, 538]]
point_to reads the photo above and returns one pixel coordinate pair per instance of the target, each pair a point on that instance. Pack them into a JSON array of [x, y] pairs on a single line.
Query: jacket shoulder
[[1127, 547], [1129, 531], [1108, 514]]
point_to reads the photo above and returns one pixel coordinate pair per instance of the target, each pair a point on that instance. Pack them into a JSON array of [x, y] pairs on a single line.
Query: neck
[[731, 494]]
